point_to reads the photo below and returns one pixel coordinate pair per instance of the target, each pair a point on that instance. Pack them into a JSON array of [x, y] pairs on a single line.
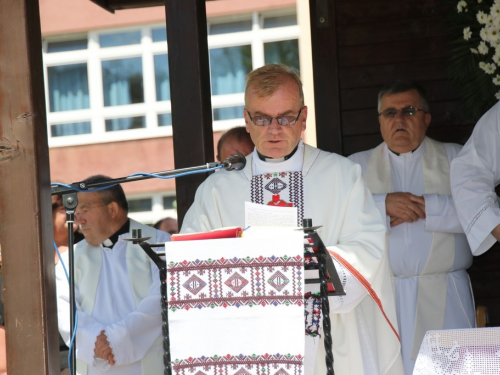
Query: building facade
[[108, 93]]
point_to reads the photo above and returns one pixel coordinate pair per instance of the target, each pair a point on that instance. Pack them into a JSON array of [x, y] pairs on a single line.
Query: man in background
[[234, 141], [168, 224], [409, 176], [117, 289]]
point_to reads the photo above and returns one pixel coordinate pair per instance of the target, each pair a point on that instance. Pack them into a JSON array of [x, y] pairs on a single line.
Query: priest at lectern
[[329, 189]]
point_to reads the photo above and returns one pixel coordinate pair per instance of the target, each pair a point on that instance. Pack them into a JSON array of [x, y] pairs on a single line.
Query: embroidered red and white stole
[[284, 189], [236, 305]]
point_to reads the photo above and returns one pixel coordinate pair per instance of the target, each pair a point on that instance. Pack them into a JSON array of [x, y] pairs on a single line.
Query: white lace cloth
[[460, 351]]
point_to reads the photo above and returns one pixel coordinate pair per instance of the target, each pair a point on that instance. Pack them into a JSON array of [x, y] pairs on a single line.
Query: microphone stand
[[70, 202]]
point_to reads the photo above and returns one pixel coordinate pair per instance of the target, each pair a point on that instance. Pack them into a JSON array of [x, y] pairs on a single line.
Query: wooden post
[[25, 204], [326, 75], [190, 94]]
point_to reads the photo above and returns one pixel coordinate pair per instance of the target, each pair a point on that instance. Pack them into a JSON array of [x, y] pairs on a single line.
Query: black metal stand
[[328, 276], [70, 201], [162, 266]]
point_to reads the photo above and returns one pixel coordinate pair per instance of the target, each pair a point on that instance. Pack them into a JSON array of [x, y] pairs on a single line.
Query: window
[[140, 205], [159, 34], [69, 89], [169, 203], [165, 119], [109, 85], [283, 52], [120, 39], [228, 113], [150, 208], [122, 81], [74, 128], [230, 27], [69, 45], [125, 123], [228, 67], [280, 21], [162, 77]]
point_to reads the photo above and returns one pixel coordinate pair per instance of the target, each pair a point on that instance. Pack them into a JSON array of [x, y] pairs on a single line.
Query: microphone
[[235, 162]]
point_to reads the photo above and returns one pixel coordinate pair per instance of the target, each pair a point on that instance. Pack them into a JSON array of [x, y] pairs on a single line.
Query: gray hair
[[400, 86], [266, 80]]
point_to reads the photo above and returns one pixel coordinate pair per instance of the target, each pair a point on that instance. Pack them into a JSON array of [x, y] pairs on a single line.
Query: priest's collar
[[110, 242], [278, 160], [404, 153], [293, 164]]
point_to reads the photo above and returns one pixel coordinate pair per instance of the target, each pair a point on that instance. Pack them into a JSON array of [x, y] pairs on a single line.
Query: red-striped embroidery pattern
[[276, 364], [235, 282]]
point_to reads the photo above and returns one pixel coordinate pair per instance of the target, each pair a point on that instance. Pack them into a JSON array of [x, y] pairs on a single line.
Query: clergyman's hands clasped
[[102, 348], [404, 208]]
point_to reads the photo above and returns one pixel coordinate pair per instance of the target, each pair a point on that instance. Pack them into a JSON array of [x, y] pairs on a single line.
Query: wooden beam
[[190, 94], [112, 5], [326, 75], [25, 204]]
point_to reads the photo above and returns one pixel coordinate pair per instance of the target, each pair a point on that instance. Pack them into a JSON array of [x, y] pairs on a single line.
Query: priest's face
[[94, 217], [275, 140], [403, 129]]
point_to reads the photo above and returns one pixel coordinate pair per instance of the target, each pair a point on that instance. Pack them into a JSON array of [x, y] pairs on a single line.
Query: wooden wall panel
[[390, 31], [378, 41], [381, 41], [379, 75], [368, 11], [393, 52]]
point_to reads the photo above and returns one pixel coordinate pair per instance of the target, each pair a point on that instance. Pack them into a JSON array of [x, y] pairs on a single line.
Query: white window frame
[[157, 212], [94, 55]]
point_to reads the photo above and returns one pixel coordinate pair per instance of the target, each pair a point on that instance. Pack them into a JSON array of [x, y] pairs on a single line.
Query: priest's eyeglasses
[[406, 112], [262, 120]]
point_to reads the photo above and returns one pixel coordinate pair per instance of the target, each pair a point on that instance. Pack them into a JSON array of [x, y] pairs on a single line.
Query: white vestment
[[474, 174], [365, 338], [116, 290], [410, 246]]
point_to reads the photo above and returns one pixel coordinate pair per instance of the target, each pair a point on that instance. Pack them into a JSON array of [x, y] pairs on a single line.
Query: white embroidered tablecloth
[[236, 305], [473, 351]]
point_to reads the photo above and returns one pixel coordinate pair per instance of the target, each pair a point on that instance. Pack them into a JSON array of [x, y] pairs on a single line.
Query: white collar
[[294, 164]]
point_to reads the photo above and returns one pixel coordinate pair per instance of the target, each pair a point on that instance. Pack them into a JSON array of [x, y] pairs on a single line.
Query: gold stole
[[88, 264], [432, 285]]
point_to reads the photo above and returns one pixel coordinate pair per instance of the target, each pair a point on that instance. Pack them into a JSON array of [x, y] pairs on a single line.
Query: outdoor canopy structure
[[356, 48], [25, 211]]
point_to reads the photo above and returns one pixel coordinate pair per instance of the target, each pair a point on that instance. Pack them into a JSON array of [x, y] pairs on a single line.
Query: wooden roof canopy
[[25, 210], [112, 5]]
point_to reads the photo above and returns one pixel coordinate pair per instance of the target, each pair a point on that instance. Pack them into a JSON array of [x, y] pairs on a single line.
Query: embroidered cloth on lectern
[[236, 305], [279, 189]]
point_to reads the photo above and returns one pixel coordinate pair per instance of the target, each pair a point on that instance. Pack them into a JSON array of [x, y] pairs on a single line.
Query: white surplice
[[132, 327], [474, 174], [365, 338], [410, 246]]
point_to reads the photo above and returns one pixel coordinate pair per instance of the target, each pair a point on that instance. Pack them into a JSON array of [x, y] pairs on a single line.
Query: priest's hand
[[102, 348], [404, 208], [496, 232]]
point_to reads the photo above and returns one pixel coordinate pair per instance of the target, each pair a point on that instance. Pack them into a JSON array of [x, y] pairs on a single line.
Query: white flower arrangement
[[462, 6], [488, 25]]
